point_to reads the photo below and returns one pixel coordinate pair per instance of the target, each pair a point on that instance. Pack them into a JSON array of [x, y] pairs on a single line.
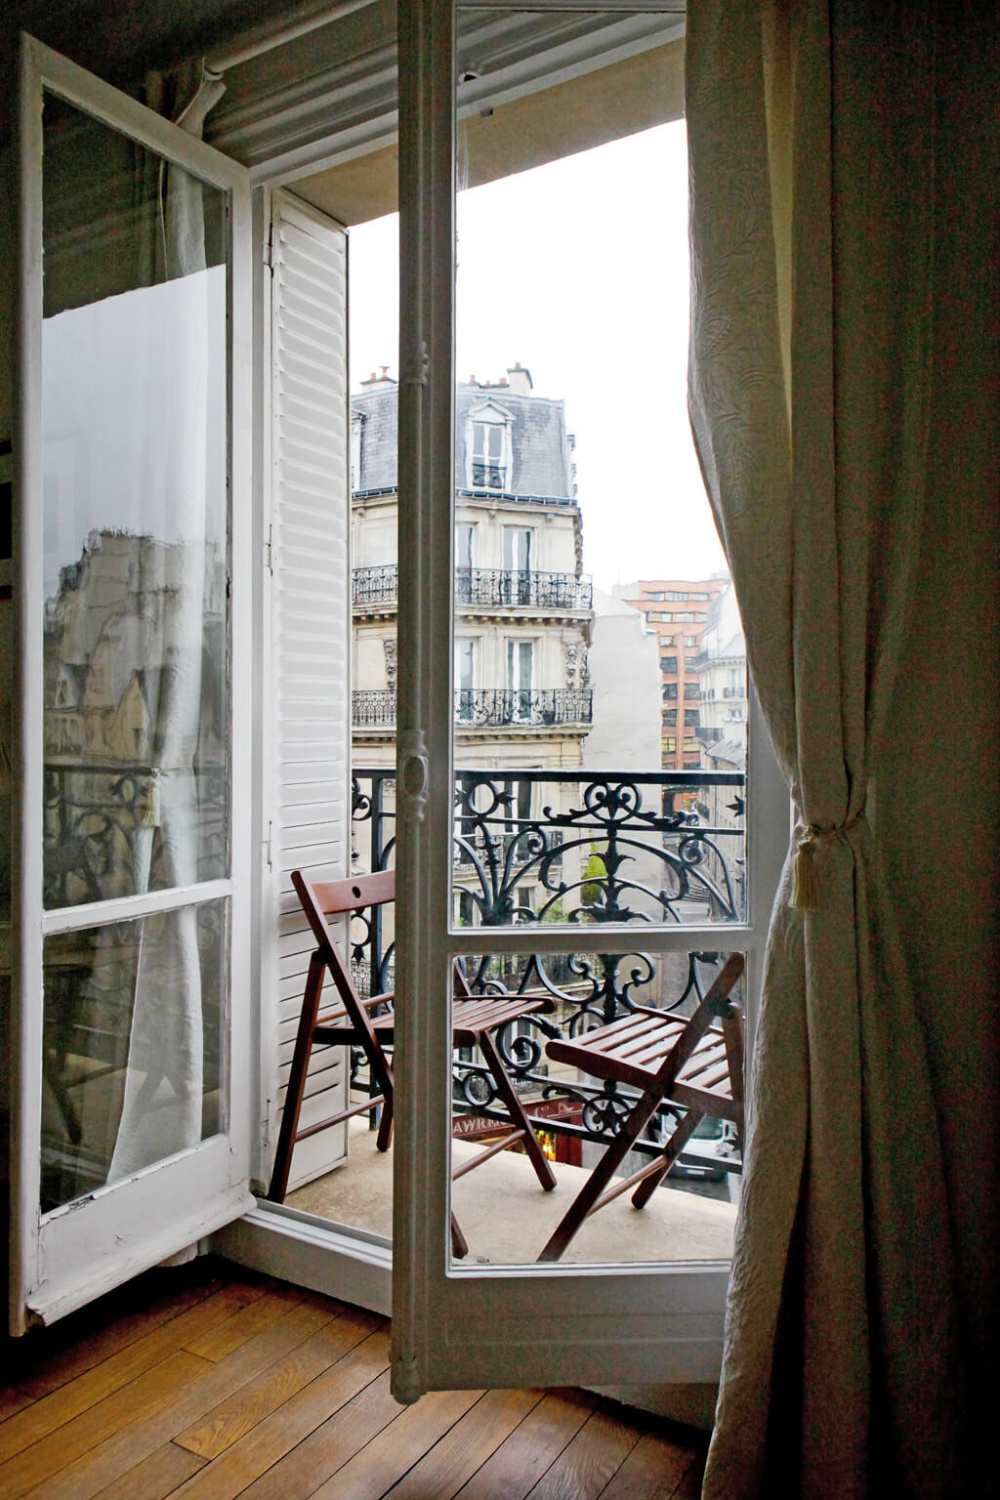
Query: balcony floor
[[507, 1218]]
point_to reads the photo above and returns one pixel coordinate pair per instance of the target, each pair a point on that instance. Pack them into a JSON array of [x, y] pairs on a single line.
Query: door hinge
[[268, 846], [269, 549], [267, 254]]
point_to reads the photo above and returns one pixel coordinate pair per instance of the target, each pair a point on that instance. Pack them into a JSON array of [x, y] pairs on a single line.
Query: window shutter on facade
[[309, 694]]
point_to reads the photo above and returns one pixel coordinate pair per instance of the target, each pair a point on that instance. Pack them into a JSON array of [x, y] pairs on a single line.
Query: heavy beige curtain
[[813, 165]]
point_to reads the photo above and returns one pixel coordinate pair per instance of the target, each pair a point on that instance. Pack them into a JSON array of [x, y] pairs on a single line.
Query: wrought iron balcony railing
[[489, 588], [534, 847], [375, 587], [525, 588], [497, 708]]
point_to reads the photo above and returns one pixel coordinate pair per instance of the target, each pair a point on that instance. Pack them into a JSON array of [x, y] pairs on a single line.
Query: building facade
[[677, 610], [523, 607]]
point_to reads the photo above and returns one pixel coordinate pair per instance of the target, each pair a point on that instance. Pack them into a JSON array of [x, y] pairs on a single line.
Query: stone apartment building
[[677, 610], [523, 607]]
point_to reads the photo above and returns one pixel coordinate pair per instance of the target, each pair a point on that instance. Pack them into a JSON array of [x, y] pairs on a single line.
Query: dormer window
[[357, 421], [488, 448]]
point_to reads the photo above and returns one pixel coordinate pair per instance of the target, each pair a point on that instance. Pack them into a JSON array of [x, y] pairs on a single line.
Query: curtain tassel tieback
[[807, 883]]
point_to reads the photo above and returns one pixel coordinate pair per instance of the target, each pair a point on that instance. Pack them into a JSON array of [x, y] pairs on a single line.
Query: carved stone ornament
[[389, 647], [572, 650]]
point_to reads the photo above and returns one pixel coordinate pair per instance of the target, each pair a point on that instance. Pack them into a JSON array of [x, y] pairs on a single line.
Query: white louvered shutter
[[309, 697]]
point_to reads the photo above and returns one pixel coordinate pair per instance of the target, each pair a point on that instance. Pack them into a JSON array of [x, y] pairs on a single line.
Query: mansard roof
[[540, 446]]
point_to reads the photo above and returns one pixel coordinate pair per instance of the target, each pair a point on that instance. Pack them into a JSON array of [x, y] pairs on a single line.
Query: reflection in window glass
[[135, 518], [131, 1064]]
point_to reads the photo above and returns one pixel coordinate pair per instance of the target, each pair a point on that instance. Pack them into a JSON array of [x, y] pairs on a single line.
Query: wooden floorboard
[[209, 1383]]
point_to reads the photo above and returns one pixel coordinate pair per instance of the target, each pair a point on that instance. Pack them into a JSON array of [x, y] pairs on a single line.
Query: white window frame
[[455, 1326], [67, 1257]]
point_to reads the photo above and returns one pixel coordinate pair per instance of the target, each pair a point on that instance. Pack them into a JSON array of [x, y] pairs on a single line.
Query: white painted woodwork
[[306, 720], [457, 1325], [86, 1247]]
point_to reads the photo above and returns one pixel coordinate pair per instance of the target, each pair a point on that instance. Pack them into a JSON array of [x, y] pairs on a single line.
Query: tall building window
[[520, 671], [691, 717], [670, 744], [669, 717], [674, 595], [670, 690], [463, 563], [691, 690], [465, 674], [517, 564], [668, 664], [463, 545], [659, 616]]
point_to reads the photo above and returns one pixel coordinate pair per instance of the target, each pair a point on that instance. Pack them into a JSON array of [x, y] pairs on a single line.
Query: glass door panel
[[135, 570], [618, 884], [135, 530], [134, 299], [507, 1207]]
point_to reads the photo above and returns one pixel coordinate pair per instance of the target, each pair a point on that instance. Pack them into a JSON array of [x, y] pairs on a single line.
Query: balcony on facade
[[377, 589], [506, 708]]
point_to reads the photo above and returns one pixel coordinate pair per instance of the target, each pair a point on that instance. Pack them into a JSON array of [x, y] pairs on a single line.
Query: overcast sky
[[580, 271]]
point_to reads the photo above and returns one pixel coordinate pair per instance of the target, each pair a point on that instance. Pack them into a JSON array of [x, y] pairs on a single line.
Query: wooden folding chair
[[369, 1024], [696, 1063]]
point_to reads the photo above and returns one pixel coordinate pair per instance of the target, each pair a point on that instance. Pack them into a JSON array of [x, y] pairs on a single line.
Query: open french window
[[131, 583]]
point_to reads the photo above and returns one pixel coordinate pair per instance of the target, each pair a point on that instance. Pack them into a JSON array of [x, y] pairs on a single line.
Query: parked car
[[714, 1141]]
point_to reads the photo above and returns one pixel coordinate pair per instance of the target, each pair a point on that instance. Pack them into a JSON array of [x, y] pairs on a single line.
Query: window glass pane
[[135, 518], [576, 1104], [131, 1055]]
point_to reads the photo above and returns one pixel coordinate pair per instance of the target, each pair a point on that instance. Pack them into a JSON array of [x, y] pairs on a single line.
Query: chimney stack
[[382, 382], [520, 379]]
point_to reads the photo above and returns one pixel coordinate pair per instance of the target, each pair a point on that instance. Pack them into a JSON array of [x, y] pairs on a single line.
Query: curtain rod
[[292, 24]]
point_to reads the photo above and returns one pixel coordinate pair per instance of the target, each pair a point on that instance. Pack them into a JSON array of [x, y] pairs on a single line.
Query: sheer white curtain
[[167, 1037], [813, 159]]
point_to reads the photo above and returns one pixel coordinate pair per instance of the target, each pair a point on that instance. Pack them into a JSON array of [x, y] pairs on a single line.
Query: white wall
[[625, 677]]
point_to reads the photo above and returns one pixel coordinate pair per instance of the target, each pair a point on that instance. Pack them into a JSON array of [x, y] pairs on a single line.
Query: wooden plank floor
[[210, 1382]]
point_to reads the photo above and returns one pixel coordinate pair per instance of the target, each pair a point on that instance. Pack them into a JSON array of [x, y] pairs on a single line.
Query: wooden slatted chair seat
[[695, 1062], [632, 1051], [370, 1024]]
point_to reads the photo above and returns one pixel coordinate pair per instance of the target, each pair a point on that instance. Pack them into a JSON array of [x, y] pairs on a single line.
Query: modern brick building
[[677, 610]]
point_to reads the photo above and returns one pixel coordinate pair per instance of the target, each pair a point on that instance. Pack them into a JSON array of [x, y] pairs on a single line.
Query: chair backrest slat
[[336, 896]]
